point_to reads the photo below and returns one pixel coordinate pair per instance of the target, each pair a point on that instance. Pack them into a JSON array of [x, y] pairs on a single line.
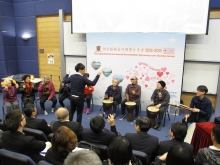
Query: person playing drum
[[133, 94], [113, 93], [160, 98]]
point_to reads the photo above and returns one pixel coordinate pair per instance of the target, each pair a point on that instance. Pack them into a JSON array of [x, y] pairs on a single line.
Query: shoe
[[52, 110], [45, 112], [122, 117], [157, 126], [87, 110], [84, 110]]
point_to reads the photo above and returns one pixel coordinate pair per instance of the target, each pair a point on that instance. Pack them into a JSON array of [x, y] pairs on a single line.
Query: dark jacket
[[28, 145], [24, 94], [74, 126], [104, 137], [39, 124], [208, 156], [116, 94], [53, 158], [64, 91], [165, 97], [164, 146], [144, 142]]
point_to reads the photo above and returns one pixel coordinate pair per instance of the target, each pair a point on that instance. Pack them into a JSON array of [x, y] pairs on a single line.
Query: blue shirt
[[204, 105], [78, 82]]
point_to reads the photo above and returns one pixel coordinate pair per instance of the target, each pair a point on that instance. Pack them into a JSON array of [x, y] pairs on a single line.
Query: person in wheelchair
[[64, 93], [27, 90], [9, 92]]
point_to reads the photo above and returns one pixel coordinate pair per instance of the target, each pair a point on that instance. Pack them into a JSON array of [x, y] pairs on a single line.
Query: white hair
[[7, 80]]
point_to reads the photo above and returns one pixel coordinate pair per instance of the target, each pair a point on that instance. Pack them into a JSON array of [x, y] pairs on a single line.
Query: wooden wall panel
[[48, 39]]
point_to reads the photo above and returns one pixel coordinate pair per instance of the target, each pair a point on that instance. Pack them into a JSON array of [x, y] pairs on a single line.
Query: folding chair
[[141, 156], [39, 135]]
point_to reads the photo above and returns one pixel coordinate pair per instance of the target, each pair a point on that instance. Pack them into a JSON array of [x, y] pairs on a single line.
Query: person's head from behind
[[120, 151], [97, 123], [83, 157], [86, 75], [30, 110], [26, 78], [179, 155], [201, 90], [80, 68], [215, 136], [142, 124], [14, 120], [62, 114], [64, 140], [115, 82], [178, 131]]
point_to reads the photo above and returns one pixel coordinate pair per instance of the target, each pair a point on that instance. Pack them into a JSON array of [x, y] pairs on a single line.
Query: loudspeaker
[[217, 120]]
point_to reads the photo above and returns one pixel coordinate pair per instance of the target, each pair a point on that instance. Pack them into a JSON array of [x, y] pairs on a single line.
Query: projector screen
[[187, 16]]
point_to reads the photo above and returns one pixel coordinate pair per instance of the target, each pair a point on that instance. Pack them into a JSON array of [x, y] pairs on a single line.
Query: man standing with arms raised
[[77, 84]]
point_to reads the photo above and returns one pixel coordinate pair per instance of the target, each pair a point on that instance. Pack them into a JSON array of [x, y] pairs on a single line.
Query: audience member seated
[[160, 98], [177, 155], [177, 133], [211, 155], [200, 107], [141, 140], [63, 142], [47, 92], [120, 153], [88, 95], [30, 112], [133, 94], [97, 133], [16, 141], [27, 90], [64, 93], [113, 93], [62, 115], [84, 157], [9, 92]]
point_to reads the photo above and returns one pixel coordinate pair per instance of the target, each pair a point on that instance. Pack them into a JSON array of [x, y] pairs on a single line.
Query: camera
[[106, 115]]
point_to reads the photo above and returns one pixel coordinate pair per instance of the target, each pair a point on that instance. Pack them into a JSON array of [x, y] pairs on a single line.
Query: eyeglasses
[[22, 118]]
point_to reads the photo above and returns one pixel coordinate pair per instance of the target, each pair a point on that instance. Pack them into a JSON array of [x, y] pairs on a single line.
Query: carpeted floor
[[122, 125]]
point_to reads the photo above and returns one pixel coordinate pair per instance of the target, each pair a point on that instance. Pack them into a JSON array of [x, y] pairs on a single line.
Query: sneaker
[[84, 110], [122, 117], [45, 112], [87, 110], [52, 110], [157, 126]]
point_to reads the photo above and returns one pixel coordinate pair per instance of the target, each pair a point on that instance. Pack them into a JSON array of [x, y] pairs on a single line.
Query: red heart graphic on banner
[[164, 69], [160, 74], [167, 73], [127, 77], [146, 85], [135, 66], [172, 81]]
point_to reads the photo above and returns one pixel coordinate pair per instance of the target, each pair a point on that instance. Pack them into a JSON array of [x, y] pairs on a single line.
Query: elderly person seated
[[63, 142], [47, 92], [27, 90], [113, 93], [10, 95]]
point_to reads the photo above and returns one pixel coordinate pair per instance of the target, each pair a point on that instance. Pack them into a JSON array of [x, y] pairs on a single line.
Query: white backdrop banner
[[148, 56]]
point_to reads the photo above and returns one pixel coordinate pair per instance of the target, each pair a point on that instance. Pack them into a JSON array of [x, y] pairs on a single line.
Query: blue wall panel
[[8, 38], [32, 41], [1, 43], [30, 66], [25, 24], [8, 0], [24, 9], [48, 7], [215, 3], [12, 67], [18, 1], [2, 56], [27, 53], [6, 9], [10, 53], [7, 24], [2, 68]]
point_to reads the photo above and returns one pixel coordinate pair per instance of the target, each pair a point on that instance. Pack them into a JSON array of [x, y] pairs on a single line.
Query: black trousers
[[195, 117], [88, 99], [62, 98], [123, 107], [76, 104], [44, 98], [28, 99]]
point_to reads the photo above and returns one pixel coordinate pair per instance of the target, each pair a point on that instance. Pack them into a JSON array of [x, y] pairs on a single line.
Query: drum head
[[130, 103], [153, 109], [107, 101]]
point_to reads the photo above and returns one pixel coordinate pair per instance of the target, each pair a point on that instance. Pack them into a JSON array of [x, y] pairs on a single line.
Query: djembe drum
[[130, 106], [107, 106], [152, 113]]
